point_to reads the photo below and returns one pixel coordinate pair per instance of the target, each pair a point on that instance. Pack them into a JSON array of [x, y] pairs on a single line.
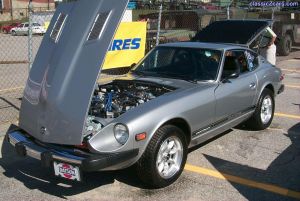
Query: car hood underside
[[64, 74]]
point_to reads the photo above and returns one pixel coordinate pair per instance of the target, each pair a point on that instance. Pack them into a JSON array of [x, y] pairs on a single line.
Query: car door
[[19, 28], [236, 96], [25, 29]]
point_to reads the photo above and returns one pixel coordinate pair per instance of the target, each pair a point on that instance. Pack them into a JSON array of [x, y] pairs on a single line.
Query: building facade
[[17, 4]]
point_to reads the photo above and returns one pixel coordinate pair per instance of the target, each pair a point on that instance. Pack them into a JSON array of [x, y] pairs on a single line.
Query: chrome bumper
[[25, 146]]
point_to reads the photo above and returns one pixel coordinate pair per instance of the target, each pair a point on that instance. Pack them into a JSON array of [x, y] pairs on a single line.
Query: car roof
[[217, 46]]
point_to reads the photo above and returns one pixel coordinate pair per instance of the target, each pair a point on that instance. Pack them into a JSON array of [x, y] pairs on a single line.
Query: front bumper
[[25, 146]]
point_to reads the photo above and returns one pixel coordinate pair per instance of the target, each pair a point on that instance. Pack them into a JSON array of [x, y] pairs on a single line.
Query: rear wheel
[[264, 113], [285, 46], [164, 159]]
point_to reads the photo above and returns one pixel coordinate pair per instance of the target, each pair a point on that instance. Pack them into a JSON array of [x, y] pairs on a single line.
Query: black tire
[[285, 45], [256, 122], [13, 33], [146, 166]]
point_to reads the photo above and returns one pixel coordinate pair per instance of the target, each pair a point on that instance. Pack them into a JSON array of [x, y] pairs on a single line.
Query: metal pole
[[228, 12], [228, 9], [30, 11], [273, 17], [158, 26], [11, 10]]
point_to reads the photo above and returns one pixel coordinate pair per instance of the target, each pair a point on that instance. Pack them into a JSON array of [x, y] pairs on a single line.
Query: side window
[[231, 64], [240, 59], [26, 25], [253, 62]]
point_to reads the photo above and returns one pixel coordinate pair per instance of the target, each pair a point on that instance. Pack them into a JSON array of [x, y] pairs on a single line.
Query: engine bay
[[116, 98]]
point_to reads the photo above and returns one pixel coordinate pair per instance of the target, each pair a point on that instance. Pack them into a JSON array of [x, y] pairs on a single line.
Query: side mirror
[[231, 75], [234, 75]]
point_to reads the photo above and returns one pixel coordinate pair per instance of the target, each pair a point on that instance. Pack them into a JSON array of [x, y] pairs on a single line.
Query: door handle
[[252, 85]]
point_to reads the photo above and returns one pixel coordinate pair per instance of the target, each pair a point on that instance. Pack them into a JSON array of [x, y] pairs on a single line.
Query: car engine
[[114, 99]]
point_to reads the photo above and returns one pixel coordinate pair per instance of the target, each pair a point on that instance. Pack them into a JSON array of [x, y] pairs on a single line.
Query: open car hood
[[63, 76], [241, 32]]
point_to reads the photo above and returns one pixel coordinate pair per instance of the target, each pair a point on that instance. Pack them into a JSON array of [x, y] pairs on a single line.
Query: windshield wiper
[[137, 72], [187, 78]]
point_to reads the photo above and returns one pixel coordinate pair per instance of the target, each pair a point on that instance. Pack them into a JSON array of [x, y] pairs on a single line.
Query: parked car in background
[[146, 4], [23, 29], [209, 6], [7, 28]]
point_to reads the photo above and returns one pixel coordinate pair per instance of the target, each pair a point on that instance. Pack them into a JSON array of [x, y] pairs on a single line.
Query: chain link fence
[[13, 64], [15, 55], [22, 32]]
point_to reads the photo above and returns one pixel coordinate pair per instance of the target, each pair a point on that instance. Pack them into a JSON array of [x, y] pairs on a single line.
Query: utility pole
[[158, 24], [11, 10], [30, 57]]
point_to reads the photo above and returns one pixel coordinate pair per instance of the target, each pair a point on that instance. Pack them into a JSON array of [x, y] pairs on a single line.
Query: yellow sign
[[128, 46], [46, 25]]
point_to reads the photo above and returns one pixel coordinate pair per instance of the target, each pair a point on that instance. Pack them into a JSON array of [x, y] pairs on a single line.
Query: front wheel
[[164, 159], [264, 113], [14, 33]]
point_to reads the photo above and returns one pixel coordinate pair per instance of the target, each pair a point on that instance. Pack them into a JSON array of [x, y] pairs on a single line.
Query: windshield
[[192, 64]]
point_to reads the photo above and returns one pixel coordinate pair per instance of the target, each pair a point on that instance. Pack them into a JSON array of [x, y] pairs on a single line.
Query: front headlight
[[121, 133]]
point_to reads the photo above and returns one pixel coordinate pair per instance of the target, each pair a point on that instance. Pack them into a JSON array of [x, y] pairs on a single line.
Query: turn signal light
[[140, 137], [282, 77]]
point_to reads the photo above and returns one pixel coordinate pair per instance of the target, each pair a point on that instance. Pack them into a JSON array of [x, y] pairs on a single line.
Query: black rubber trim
[[20, 149], [46, 159], [281, 89], [102, 161]]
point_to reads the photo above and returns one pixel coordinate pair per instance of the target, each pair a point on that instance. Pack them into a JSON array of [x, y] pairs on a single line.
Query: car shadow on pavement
[[283, 171], [34, 176]]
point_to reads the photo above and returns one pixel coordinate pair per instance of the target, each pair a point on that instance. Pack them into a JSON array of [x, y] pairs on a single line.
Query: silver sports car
[[178, 96]]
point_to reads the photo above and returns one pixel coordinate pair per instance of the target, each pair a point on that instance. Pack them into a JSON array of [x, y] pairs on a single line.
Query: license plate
[[67, 171]]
